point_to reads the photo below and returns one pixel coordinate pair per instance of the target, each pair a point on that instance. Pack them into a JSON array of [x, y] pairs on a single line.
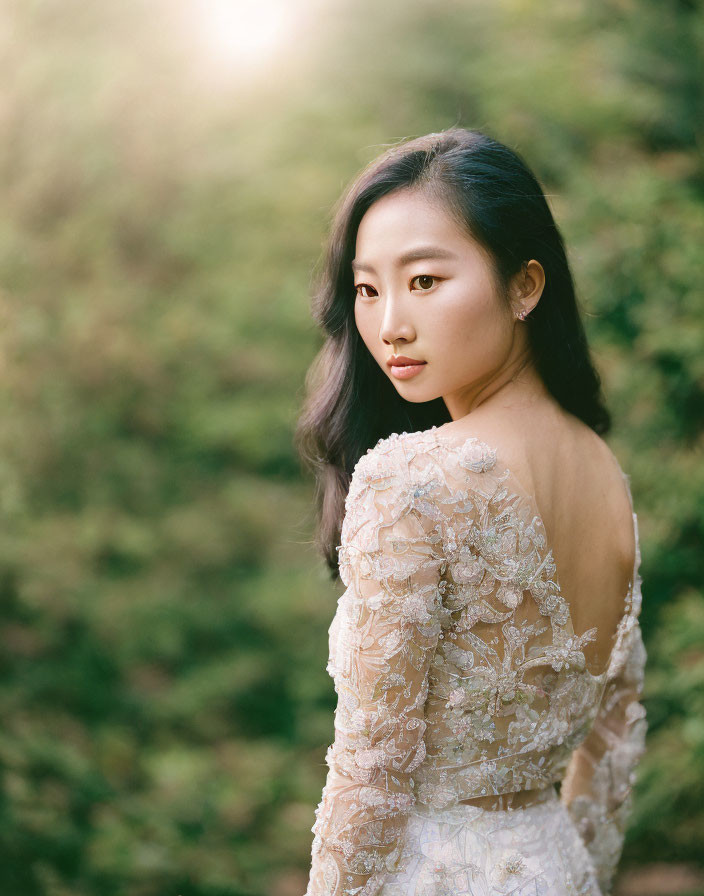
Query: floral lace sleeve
[[381, 645], [597, 787]]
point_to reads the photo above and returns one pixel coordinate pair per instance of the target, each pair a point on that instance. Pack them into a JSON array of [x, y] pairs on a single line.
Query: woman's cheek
[[364, 321]]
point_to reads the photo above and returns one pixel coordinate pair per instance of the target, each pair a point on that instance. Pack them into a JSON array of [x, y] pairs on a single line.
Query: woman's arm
[[597, 788], [381, 649]]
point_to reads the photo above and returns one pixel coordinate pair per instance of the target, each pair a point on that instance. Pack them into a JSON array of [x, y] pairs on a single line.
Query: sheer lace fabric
[[459, 676]]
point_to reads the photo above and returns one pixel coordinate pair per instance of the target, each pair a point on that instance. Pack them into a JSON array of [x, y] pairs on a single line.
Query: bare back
[[582, 498]]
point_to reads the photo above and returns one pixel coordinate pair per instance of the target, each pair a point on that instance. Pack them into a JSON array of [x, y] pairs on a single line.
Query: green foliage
[[670, 792], [165, 704]]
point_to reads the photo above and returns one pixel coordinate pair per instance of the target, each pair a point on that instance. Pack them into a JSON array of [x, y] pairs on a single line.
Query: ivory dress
[[459, 675]]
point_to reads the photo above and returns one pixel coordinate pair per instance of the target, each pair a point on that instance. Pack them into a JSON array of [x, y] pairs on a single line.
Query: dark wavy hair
[[350, 403]]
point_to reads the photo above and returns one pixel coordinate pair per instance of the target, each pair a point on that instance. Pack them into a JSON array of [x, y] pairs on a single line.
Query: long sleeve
[[597, 788], [382, 641]]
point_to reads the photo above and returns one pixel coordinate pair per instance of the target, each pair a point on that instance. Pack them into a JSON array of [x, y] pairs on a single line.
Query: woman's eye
[[423, 281]]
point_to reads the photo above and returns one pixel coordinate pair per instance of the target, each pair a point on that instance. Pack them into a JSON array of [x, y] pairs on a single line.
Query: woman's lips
[[399, 360], [406, 371]]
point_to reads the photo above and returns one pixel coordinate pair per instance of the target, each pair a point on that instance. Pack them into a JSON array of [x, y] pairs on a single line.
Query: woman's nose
[[395, 323]]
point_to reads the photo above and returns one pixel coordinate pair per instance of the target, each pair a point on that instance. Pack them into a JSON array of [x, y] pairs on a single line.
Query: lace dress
[[459, 676]]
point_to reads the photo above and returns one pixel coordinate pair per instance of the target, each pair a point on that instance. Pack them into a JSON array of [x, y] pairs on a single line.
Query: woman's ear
[[528, 286]]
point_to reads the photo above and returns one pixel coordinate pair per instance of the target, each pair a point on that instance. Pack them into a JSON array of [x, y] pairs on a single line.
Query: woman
[[486, 652]]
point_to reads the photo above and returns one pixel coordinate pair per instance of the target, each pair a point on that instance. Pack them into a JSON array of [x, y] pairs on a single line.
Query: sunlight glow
[[241, 32]]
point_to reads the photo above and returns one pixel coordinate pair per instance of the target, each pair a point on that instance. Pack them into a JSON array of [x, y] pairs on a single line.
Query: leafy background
[[165, 197]]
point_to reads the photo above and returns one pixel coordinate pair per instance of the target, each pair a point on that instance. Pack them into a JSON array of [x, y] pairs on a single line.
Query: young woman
[[486, 652]]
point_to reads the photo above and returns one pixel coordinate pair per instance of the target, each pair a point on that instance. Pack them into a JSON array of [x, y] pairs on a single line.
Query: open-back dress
[[459, 676]]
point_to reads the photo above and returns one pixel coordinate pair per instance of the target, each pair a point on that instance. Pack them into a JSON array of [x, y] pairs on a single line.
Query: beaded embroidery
[[457, 669]]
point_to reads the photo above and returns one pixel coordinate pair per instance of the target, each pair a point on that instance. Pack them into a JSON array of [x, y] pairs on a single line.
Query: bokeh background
[[167, 173]]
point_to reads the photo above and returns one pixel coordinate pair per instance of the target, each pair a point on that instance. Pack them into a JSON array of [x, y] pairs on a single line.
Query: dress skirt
[[467, 850]]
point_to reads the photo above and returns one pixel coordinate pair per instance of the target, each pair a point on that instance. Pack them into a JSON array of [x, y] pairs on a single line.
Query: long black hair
[[350, 403]]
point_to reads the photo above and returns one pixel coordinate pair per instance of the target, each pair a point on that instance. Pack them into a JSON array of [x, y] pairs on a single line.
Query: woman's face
[[443, 311]]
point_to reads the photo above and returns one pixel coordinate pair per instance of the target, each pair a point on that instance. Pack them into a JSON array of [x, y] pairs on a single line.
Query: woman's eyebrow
[[419, 254]]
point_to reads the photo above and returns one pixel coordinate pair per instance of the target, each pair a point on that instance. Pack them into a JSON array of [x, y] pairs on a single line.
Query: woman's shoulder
[[538, 445], [424, 465], [416, 449]]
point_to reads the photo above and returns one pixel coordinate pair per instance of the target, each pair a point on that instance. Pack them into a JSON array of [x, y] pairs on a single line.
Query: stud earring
[[522, 314]]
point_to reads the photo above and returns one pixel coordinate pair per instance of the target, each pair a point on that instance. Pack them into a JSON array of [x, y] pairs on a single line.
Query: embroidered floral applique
[[514, 870], [459, 675]]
